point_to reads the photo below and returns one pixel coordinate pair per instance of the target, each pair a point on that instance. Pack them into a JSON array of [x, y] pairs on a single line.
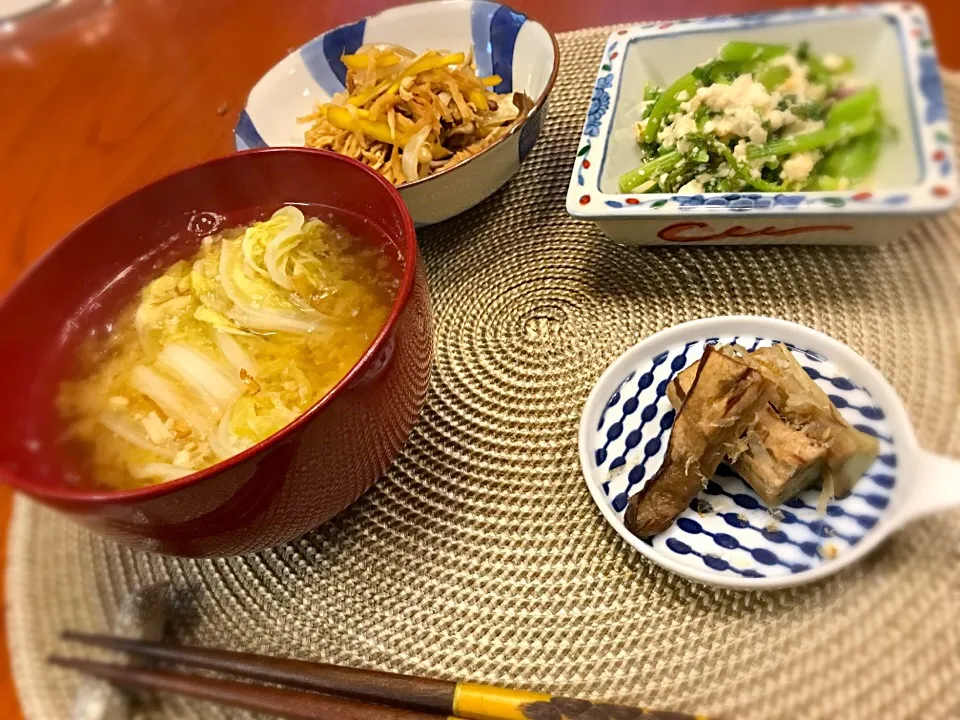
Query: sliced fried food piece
[[777, 460], [850, 452], [724, 402]]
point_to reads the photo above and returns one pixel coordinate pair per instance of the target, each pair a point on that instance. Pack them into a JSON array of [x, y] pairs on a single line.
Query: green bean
[[855, 160], [648, 171], [816, 139], [739, 51], [854, 107], [667, 103], [773, 76]]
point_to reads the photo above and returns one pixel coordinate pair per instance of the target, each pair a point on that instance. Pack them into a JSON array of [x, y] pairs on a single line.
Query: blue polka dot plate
[[727, 536]]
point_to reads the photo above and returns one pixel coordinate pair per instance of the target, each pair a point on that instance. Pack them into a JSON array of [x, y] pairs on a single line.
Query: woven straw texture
[[481, 555]]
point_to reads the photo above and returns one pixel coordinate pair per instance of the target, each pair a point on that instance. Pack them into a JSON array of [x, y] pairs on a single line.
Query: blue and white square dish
[[893, 48], [505, 42]]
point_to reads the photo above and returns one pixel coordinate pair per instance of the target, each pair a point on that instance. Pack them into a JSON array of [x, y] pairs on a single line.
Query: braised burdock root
[[725, 400]]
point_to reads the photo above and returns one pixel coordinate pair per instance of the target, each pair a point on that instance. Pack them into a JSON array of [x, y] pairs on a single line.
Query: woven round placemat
[[481, 555]]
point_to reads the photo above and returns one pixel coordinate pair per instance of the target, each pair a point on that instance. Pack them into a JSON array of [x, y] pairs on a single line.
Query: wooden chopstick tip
[[68, 663]]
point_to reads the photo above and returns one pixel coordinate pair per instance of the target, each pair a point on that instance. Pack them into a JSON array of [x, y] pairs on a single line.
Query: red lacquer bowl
[[288, 484]]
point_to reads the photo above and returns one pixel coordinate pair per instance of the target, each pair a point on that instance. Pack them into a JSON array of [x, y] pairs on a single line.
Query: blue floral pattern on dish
[[728, 528], [599, 104], [932, 89], [740, 201]]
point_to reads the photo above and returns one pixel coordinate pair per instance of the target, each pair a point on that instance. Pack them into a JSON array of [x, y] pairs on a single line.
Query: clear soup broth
[[225, 348]]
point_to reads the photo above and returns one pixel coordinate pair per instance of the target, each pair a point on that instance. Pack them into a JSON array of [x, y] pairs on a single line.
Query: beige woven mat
[[481, 555]]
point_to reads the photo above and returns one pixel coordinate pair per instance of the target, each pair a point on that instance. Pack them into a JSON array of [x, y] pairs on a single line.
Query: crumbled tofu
[[663, 179], [742, 93], [780, 118], [797, 167], [757, 134], [684, 146], [740, 151], [118, 402], [683, 96], [680, 126], [740, 122], [704, 178], [833, 62], [694, 187], [724, 170], [691, 105]]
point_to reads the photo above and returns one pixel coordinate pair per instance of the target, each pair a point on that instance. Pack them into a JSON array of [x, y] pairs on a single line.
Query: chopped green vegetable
[[667, 103], [722, 71], [743, 171], [739, 51], [809, 111], [814, 140], [854, 107], [773, 76], [817, 73], [855, 160], [827, 183], [648, 171]]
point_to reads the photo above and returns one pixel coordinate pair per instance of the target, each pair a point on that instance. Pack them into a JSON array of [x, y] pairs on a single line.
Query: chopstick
[[282, 702], [404, 691], [419, 695]]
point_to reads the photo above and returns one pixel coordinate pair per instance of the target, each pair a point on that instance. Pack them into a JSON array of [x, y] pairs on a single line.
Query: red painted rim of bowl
[[411, 260]]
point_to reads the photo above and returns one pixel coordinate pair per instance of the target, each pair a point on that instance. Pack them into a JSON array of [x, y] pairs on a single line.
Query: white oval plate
[[728, 537]]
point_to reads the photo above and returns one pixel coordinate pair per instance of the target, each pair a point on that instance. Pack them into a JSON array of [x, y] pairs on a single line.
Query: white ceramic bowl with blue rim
[[506, 43], [728, 537], [892, 46]]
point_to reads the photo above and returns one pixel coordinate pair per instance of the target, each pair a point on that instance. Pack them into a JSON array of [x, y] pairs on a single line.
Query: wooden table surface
[[100, 97]]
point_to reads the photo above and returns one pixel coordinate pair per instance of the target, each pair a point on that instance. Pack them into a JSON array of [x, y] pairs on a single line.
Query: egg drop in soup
[[225, 349]]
